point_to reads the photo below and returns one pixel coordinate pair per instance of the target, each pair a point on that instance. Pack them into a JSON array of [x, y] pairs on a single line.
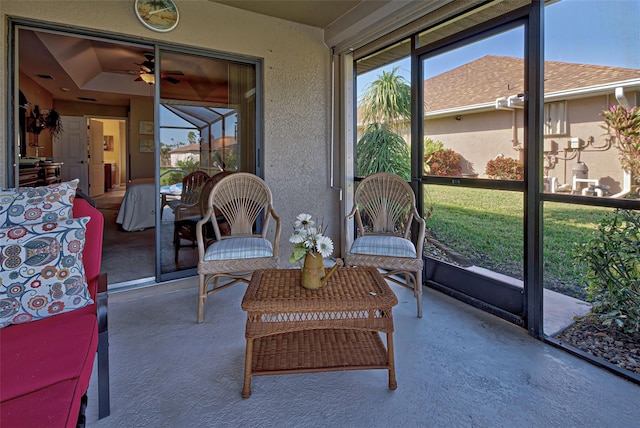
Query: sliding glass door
[[206, 112]]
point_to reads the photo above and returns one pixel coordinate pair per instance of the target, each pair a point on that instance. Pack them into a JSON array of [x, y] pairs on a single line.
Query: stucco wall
[[480, 137], [296, 88]]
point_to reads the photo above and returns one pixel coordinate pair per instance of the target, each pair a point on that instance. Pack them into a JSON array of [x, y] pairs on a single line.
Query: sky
[[601, 32]]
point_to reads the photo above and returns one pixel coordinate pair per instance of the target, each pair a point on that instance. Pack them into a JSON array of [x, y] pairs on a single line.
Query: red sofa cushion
[[54, 406], [46, 365], [41, 353]]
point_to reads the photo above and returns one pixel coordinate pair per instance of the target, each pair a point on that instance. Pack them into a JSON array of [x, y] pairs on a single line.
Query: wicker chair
[[384, 209], [245, 202], [186, 219], [190, 197]]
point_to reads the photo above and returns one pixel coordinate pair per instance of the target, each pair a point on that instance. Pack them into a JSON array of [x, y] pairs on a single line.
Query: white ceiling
[[316, 13]]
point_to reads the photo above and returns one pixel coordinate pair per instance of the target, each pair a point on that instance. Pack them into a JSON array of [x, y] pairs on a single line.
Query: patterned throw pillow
[[41, 270], [31, 205]]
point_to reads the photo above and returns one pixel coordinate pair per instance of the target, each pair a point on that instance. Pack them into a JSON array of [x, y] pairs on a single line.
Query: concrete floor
[[456, 367]]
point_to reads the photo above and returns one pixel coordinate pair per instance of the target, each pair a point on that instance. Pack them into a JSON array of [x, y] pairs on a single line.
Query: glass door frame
[[257, 154], [514, 306]]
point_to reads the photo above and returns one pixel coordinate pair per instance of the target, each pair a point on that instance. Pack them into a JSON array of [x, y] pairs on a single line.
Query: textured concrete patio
[[457, 366]]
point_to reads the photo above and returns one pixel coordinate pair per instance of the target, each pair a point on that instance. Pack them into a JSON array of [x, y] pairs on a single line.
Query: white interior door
[[71, 150], [96, 158]]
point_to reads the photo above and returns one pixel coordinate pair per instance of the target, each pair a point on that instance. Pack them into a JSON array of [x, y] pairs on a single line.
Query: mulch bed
[[605, 342]]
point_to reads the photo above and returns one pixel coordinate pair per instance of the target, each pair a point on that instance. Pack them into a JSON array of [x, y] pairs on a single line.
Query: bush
[[623, 125], [612, 261], [443, 162], [431, 146], [502, 168]]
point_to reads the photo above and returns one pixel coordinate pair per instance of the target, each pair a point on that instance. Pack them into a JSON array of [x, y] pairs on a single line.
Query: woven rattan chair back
[[235, 206], [191, 187], [241, 199], [206, 191], [384, 203], [384, 211]]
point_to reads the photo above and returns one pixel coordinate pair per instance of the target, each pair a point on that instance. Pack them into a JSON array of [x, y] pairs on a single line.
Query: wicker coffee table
[[294, 330]]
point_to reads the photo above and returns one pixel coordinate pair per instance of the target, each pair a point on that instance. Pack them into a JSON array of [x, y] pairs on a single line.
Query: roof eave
[[608, 88]]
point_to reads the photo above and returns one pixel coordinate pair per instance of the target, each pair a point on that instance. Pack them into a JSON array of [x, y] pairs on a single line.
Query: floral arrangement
[[308, 239], [38, 120]]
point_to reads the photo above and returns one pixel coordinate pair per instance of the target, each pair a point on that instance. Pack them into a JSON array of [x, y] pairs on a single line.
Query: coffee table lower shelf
[[321, 350]]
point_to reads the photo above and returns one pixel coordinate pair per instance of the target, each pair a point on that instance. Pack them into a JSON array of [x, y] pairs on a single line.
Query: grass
[[487, 226]]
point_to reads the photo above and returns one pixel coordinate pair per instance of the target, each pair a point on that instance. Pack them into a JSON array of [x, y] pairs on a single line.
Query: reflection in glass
[[207, 125]]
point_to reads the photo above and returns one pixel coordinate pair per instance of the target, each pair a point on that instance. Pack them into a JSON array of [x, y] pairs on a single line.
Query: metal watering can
[[313, 273]]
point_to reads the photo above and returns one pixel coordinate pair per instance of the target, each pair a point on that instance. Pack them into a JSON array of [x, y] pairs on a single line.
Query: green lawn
[[486, 226]]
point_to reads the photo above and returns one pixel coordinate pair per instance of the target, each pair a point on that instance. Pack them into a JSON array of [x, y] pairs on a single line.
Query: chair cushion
[[41, 270], [46, 368], [38, 354], [30, 205], [376, 245], [239, 248]]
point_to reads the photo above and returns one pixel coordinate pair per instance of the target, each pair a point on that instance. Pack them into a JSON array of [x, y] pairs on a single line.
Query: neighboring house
[[223, 151], [476, 110], [183, 153]]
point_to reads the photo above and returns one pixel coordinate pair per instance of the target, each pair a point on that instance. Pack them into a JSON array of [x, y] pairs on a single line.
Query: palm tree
[[385, 105]]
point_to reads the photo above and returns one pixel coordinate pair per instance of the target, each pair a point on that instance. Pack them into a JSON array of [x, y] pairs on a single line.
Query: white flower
[[303, 221], [310, 241], [324, 245], [308, 238], [298, 236]]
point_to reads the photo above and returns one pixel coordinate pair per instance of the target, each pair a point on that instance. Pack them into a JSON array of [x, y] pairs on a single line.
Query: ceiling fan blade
[[170, 79], [122, 71], [144, 68], [174, 72]]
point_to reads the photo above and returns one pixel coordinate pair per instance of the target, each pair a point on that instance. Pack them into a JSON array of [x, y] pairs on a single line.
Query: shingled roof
[[189, 148], [490, 77]]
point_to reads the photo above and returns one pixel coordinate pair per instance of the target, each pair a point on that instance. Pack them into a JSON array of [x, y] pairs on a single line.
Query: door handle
[[80, 161]]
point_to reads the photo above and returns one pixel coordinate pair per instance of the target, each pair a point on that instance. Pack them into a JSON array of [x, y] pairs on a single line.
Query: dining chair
[[245, 203], [385, 211], [190, 197], [187, 207], [186, 219]]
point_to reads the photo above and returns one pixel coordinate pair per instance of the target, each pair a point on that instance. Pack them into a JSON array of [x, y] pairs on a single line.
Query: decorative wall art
[[146, 127], [108, 143], [146, 146]]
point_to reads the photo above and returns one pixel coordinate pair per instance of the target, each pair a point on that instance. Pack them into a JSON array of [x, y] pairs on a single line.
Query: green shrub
[[431, 146], [503, 168], [611, 259], [443, 162]]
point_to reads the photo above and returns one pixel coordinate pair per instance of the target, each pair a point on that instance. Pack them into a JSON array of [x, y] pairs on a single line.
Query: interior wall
[[121, 168], [141, 164], [296, 75], [77, 108], [37, 95], [112, 128]]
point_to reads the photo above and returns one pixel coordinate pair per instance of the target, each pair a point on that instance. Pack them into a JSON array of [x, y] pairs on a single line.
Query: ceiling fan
[[147, 69]]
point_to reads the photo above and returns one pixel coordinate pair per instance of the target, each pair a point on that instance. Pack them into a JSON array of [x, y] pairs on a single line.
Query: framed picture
[[108, 143], [146, 127], [146, 146]]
